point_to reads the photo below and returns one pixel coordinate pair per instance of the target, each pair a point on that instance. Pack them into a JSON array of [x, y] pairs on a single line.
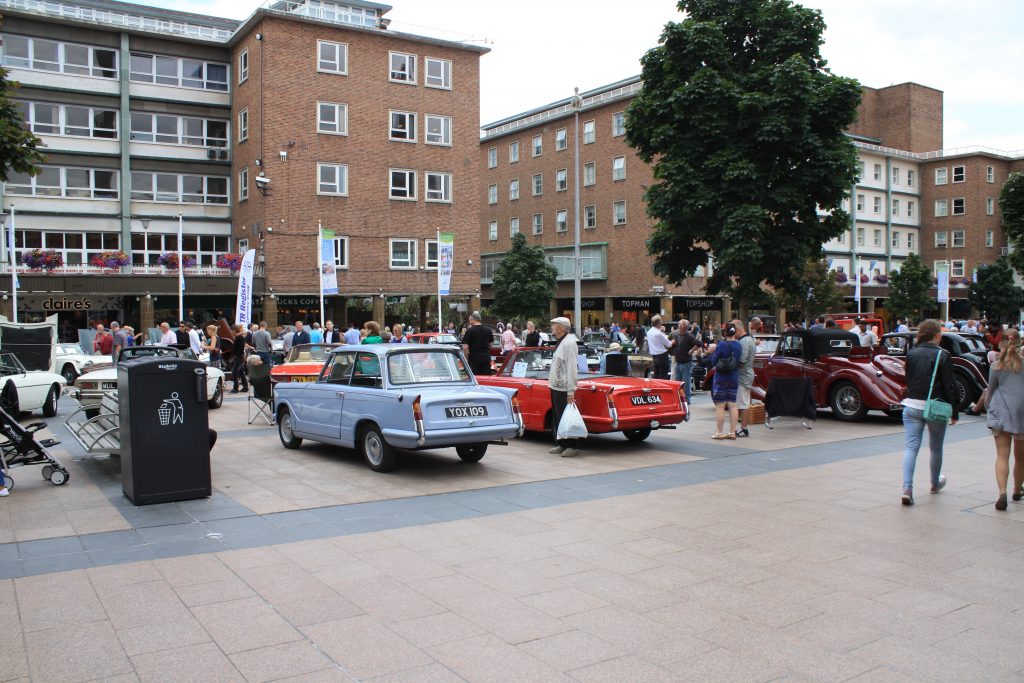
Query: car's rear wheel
[[964, 395], [471, 452], [377, 453], [218, 396], [50, 405], [69, 373], [286, 428], [847, 403], [637, 434], [9, 400]]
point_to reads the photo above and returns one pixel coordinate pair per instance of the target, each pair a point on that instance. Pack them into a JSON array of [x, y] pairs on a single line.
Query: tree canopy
[[1011, 210], [908, 289], [816, 292], [995, 294], [743, 123], [524, 283], [19, 148]]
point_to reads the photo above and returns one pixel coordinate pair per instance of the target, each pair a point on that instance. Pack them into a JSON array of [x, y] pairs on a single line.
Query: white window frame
[[181, 136], [962, 206], [910, 241], [562, 220], [243, 125], [431, 138], [34, 187], [895, 207], [492, 194], [990, 206], [561, 139], [896, 239], [537, 185], [243, 66], [910, 177], [861, 199], [895, 175], [243, 184], [538, 224], [616, 213], [589, 174], [492, 157], [513, 189], [341, 252], [589, 216], [941, 175], [877, 172], [877, 238], [62, 64], [941, 239], [513, 226], [410, 63], [990, 174], [430, 263], [446, 73], [413, 246], [178, 196], [340, 181], [492, 231], [180, 79], [618, 168], [410, 186], [589, 132], [562, 180], [860, 237], [340, 118], [960, 171], [513, 152], [956, 267], [910, 209], [410, 130], [441, 195], [340, 59], [990, 238], [618, 124], [941, 208], [959, 239], [537, 148], [876, 205], [63, 126], [243, 245]]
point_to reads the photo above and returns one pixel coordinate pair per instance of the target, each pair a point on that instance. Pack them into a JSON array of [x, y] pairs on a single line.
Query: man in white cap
[[562, 382]]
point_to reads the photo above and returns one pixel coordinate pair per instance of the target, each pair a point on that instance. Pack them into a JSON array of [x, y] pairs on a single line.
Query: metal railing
[[69, 10], [588, 103], [125, 270]]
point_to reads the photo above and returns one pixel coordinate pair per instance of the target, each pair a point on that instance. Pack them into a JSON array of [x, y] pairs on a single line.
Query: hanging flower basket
[[43, 259], [230, 261], [841, 278], [169, 260], [863, 279], [882, 279], [110, 260]]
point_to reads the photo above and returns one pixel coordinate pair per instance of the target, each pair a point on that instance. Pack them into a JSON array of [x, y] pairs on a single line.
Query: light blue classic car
[[382, 397]]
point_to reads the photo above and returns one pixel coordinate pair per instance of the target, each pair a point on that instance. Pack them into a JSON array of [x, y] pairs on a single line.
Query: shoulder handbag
[[935, 409], [727, 363]]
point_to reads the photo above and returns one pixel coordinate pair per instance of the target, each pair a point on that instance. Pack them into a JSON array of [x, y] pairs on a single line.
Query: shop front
[[591, 310], [705, 311], [74, 312], [635, 310]]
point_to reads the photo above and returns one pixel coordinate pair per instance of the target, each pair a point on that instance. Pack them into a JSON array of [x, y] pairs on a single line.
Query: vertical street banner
[[243, 307], [856, 287], [445, 260], [942, 277], [328, 266]]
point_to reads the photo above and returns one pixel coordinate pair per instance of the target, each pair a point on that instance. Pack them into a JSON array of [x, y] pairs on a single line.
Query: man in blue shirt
[[316, 335], [352, 334]]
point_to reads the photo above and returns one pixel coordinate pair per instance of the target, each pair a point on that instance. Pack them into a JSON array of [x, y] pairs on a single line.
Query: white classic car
[[90, 387], [25, 391], [70, 360]]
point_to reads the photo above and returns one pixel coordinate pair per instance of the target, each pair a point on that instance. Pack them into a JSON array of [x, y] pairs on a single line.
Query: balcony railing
[[588, 102], [69, 10], [203, 271]]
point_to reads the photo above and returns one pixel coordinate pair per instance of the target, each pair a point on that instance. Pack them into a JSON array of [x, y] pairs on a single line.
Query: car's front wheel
[[636, 434], [50, 405], [69, 373], [286, 428], [847, 403], [377, 453], [9, 400], [218, 396], [471, 452]]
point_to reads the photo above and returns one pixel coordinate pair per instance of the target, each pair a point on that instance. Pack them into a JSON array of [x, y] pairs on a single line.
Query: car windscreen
[[415, 367], [307, 354], [537, 364]]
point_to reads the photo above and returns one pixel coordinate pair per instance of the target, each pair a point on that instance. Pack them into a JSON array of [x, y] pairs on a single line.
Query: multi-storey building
[[243, 135]]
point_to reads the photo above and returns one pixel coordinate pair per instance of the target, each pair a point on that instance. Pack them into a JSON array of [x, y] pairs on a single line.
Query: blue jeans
[[913, 429], [264, 356], [683, 373]]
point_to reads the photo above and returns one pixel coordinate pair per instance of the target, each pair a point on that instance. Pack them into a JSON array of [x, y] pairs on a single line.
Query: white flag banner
[[856, 286], [445, 260], [942, 275], [328, 266], [243, 307]]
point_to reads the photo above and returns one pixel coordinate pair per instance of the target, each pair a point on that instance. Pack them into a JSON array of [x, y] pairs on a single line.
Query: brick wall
[[906, 116]]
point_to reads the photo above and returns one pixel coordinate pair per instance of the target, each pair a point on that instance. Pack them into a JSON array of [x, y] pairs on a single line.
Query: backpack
[[726, 364]]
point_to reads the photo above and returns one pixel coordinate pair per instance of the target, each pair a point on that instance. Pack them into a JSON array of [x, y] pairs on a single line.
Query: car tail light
[[517, 414], [612, 412]]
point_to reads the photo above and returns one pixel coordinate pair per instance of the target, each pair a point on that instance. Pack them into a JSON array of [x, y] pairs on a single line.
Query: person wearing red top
[[103, 344]]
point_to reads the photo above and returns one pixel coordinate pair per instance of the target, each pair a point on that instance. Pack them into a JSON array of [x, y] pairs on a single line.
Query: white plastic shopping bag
[[572, 425]]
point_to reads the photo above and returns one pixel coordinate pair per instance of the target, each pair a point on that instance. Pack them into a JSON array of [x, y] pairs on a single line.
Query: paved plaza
[[785, 556]]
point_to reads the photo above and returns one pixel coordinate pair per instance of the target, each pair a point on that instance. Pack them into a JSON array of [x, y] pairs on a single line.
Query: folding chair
[[616, 364], [261, 394]]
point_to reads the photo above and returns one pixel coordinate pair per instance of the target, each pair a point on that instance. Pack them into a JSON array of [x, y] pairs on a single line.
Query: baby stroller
[[20, 447]]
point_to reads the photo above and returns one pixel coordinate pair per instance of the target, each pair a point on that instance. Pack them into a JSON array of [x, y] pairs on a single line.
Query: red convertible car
[[302, 364], [631, 405], [848, 378]]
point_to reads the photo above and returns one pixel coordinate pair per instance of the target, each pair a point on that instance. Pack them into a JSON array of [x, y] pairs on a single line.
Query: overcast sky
[[541, 49]]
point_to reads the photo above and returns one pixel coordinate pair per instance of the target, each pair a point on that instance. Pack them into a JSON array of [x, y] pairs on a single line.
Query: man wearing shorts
[[748, 348]]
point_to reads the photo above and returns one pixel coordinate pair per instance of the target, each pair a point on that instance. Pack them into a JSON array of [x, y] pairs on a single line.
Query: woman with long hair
[[212, 346], [929, 372], [1006, 414]]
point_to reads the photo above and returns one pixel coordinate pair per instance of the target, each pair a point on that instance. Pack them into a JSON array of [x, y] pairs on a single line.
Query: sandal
[[720, 437], [731, 437]]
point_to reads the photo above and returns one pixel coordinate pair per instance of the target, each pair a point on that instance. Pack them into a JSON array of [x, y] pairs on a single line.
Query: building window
[[959, 174], [989, 238], [910, 241], [990, 206], [68, 58], [895, 175], [990, 174], [538, 145], [561, 140], [590, 216], [403, 68], [332, 118], [589, 174], [860, 176], [878, 172], [492, 231], [538, 185], [243, 246], [895, 207], [878, 238], [940, 176], [513, 226], [243, 184], [513, 190], [332, 179], [940, 239], [169, 129], [492, 157], [179, 188], [589, 132], [561, 180], [957, 269], [562, 220], [958, 238], [618, 213], [439, 73], [403, 254], [430, 247], [513, 152], [619, 168], [439, 130], [44, 118], [60, 181], [877, 205], [341, 252], [179, 71], [243, 66], [332, 58], [439, 187], [618, 124], [910, 178], [77, 248], [959, 207], [842, 238], [243, 125], [860, 237], [895, 242], [403, 128], [910, 209], [403, 184], [492, 194], [538, 223], [941, 207], [860, 203]]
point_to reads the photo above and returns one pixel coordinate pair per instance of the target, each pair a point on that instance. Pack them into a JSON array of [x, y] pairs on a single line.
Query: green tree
[[743, 123], [19, 148], [1011, 210], [995, 294], [816, 291], [908, 289], [524, 283]]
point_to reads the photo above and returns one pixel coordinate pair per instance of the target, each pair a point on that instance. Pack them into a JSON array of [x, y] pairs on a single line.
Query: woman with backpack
[[726, 362]]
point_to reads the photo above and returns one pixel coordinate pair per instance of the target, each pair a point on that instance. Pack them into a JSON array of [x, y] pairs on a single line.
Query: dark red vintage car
[[970, 362], [848, 378], [608, 403]]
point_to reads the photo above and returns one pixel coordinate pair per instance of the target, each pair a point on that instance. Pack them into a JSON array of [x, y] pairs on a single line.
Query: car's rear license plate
[[646, 399], [466, 411]]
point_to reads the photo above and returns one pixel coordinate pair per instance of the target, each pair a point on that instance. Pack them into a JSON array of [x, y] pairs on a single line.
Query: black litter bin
[[164, 425]]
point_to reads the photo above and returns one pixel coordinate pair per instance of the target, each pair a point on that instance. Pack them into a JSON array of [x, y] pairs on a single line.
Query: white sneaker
[[4, 492], [557, 450], [570, 453]]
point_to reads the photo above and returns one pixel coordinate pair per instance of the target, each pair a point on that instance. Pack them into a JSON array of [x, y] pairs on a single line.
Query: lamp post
[[145, 242], [14, 262], [577, 104], [181, 272]]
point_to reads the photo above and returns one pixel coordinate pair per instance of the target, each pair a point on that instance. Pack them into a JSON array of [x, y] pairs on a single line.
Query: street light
[[14, 263], [145, 242], [577, 104]]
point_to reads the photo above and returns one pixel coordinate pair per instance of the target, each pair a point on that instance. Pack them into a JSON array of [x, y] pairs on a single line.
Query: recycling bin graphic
[[164, 424]]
